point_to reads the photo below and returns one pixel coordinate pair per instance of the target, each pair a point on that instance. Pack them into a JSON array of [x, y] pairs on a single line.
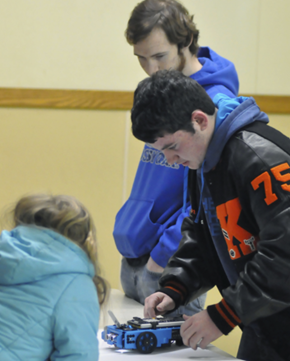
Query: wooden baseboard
[[105, 100]]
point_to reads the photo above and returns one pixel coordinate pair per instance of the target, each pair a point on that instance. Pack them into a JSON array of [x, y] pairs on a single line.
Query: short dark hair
[[169, 15], [163, 104]]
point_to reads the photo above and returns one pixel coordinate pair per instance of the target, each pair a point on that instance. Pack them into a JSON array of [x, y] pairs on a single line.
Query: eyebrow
[[166, 146], [152, 56]]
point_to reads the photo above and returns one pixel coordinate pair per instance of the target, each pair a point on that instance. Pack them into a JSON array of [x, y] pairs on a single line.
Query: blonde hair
[[67, 216]]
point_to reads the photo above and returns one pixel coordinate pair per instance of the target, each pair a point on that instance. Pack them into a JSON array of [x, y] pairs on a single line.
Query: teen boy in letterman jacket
[[237, 236]]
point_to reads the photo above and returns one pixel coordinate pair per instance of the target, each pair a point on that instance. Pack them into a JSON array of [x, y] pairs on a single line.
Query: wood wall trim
[[105, 100], [272, 104], [65, 99]]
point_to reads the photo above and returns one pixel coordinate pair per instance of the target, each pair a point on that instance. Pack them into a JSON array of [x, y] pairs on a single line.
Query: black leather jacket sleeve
[[187, 265]]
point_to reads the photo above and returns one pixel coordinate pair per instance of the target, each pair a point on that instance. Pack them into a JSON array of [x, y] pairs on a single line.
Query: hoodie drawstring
[[185, 185], [201, 191]]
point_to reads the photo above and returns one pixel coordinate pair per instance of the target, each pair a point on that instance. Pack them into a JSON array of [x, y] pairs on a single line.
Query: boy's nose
[[152, 68]]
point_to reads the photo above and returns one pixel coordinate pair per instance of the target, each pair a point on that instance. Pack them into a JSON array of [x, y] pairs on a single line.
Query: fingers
[[199, 330], [197, 341], [185, 329], [157, 304], [203, 343], [167, 304], [149, 306], [186, 332], [151, 302], [194, 340]]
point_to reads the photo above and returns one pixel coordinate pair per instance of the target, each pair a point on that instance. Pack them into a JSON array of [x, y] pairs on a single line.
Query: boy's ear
[[200, 118]]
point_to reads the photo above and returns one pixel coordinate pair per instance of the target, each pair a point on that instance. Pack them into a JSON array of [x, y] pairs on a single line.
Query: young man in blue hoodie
[[147, 228], [237, 234]]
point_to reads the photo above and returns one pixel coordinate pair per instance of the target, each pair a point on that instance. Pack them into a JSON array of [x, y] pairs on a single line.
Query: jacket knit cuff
[[176, 291], [224, 317], [172, 294]]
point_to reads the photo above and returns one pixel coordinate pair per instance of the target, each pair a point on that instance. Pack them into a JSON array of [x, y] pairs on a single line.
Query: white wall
[[80, 44]]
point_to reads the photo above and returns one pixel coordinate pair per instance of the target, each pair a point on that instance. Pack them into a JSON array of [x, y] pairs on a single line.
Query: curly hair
[[163, 104], [169, 15], [67, 216]]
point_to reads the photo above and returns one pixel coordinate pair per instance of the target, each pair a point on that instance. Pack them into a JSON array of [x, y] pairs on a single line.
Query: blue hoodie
[[232, 115], [48, 302], [149, 223], [217, 75]]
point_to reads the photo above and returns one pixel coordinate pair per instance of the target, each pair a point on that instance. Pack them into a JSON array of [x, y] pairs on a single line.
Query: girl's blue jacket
[[48, 302]]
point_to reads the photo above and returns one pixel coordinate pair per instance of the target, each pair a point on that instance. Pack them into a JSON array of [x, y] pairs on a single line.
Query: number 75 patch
[[265, 179]]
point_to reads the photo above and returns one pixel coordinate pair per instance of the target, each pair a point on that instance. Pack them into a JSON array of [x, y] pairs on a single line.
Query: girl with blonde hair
[[50, 284]]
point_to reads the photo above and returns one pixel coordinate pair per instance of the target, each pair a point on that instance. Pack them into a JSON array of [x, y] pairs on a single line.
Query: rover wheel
[[146, 342]]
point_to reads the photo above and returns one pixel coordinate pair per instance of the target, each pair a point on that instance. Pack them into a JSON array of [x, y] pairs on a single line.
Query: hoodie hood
[[232, 115], [30, 253], [216, 71]]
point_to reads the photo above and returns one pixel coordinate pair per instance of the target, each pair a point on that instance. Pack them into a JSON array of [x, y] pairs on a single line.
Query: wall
[[79, 153], [79, 44]]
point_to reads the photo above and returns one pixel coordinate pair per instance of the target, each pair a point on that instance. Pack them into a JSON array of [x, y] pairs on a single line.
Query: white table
[[125, 309]]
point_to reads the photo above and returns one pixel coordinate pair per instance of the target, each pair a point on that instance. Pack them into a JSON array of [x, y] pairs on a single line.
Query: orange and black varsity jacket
[[250, 189]]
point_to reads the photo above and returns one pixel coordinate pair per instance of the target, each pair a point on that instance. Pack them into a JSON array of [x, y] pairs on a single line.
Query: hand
[[199, 330], [152, 266], [157, 304]]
